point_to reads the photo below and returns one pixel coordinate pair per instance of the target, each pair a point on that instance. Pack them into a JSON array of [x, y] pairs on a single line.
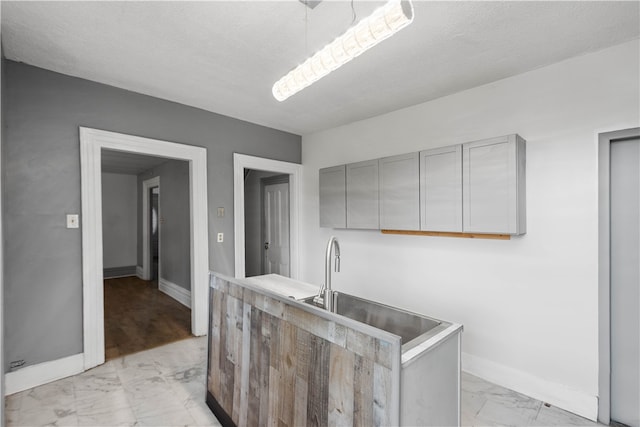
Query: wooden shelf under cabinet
[[448, 234]]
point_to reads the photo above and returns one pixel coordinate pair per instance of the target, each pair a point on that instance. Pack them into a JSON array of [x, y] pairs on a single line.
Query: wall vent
[[16, 364]]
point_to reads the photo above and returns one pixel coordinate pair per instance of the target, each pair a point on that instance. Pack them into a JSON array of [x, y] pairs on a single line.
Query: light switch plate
[[73, 221], [220, 237], [220, 212]]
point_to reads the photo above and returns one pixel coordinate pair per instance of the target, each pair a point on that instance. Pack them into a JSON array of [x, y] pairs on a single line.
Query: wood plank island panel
[[275, 361]]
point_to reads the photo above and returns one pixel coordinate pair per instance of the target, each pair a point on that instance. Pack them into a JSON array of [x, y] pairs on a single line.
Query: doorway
[[619, 278], [275, 233], [267, 228], [145, 311], [244, 165], [92, 141], [150, 254]]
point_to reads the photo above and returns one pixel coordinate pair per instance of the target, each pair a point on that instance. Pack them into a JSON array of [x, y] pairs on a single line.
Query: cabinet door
[[399, 192], [333, 210], [494, 187], [362, 195], [441, 189]]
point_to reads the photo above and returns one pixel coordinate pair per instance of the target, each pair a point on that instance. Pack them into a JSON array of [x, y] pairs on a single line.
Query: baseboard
[[43, 373], [115, 272], [176, 292], [562, 396], [139, 272]]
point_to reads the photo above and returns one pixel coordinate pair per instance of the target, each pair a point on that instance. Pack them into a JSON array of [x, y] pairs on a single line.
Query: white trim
[[92, 141], [139, 272], [119, 277], [43, 373], [604, 285], [91, 223], [176, 292], [123, 271], [294, 170], [562, 396], [146, 241]]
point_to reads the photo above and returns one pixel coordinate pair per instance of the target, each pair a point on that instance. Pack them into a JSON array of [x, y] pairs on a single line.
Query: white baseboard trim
[[560, 395], [116, 272], [43, 373], [176, 292], [139, 272]]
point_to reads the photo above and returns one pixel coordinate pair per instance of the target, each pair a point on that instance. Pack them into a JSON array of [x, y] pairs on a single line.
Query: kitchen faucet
[[326, 298]]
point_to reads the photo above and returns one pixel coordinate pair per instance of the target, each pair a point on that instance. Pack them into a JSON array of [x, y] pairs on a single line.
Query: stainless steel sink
[[407, 325]]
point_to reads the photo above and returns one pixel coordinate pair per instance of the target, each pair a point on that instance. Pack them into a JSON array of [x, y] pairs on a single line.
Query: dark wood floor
[[137, 316]]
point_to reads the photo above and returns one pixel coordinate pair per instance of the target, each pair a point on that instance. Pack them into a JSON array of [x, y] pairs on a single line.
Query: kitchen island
[[276, 360]]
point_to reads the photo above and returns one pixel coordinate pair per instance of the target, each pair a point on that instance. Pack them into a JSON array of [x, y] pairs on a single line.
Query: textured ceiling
[[225, 56]]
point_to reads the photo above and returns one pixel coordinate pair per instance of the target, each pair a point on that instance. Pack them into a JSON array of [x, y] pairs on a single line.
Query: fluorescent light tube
[[382, 23]]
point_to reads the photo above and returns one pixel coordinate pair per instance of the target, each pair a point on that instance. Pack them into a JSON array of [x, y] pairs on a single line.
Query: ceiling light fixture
[[382, 23]]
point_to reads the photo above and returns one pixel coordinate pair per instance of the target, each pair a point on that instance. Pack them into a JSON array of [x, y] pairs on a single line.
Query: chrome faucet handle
[[321, 290], [319, 299]]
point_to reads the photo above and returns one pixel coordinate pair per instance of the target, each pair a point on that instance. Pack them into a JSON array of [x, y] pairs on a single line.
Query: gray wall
[[175, 242], [41, 174], [119, 220]]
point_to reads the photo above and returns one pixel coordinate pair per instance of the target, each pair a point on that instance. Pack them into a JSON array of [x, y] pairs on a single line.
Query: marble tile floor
[[165, 386], [487, 404]]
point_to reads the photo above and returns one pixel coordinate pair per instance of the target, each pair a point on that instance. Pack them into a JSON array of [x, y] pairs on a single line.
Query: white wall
[[119, 220], [529, 305]]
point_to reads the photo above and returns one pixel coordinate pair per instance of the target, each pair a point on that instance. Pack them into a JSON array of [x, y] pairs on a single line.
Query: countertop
[[284, 286]]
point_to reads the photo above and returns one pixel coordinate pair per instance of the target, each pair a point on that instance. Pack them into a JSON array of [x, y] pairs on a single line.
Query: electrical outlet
[[220, 212], [73, 221], [220, 237]]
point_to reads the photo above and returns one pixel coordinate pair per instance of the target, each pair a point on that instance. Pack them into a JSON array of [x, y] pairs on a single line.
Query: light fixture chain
[[353, 13]]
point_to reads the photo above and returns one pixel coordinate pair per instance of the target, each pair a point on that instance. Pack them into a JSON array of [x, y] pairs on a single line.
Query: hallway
[[137, 316]]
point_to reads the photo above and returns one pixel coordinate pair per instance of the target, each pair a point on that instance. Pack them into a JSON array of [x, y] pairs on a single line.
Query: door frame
[[92, 141], [294, 170], [147, 185], [605, 140], [276, 179]]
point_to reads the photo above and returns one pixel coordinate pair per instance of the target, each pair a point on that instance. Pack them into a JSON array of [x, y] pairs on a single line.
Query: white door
[[276, 229], [625, 278]]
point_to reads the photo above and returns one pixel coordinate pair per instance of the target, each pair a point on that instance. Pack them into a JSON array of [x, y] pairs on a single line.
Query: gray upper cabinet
[[441, 189], [494, 185], [399, 192], [477, 187], [333, 203], [362, 195]]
